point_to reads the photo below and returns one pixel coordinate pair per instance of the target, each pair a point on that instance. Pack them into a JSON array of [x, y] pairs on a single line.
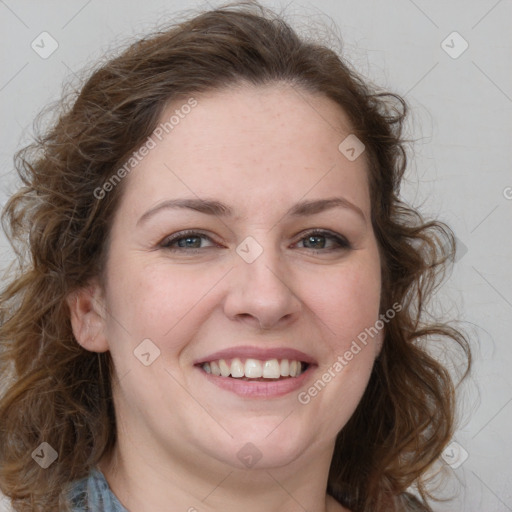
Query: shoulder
[[92, 494], [406, 502], [412, 504], [334, 505]]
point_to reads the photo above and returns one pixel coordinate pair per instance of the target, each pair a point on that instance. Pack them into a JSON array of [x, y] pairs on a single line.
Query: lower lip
[[259, 389]]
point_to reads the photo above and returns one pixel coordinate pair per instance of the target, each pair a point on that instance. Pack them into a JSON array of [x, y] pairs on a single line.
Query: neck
[[148, 479]]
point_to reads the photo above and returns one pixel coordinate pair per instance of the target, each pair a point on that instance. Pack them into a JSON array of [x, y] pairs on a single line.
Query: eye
[[317, 239], [185, 240]]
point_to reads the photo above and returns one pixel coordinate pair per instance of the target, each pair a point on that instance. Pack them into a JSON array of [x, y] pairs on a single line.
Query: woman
[[223, 305]]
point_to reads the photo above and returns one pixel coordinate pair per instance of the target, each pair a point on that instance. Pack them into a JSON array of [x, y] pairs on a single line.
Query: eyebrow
[[217, 208]]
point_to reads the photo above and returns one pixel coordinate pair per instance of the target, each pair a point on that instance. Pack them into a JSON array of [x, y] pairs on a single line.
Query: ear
[[87, 309]]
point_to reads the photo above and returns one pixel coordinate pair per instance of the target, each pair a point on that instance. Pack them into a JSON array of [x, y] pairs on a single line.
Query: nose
[[261, 293]]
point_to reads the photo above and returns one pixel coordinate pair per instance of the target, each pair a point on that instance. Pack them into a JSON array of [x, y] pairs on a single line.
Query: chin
[[262, 443]]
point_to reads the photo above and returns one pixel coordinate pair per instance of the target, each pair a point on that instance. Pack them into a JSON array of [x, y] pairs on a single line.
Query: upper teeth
[[253, 368]]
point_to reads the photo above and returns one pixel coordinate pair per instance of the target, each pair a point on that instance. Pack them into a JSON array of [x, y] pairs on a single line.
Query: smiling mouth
[[255, 370]]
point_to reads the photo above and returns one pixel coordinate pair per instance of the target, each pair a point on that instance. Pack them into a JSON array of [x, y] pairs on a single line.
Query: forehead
[[249, 146]]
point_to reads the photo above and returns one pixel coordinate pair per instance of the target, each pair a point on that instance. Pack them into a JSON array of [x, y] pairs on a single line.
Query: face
[[242, 245]]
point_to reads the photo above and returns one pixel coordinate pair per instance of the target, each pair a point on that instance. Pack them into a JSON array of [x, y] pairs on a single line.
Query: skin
[[259, 150]]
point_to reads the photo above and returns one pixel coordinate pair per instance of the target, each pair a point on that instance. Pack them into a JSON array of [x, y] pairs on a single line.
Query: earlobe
[[87, 315]]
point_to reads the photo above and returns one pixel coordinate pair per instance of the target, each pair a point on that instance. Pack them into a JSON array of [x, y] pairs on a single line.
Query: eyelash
[[342, 242]]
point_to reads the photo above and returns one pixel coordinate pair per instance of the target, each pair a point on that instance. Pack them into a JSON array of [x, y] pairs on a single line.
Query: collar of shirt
[[92, 494]]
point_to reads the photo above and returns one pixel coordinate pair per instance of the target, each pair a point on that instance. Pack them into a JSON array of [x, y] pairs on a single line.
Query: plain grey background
[[451, 62]]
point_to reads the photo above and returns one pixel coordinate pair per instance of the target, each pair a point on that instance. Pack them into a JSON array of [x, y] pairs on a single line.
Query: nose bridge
[[261, 287], [261, 266]]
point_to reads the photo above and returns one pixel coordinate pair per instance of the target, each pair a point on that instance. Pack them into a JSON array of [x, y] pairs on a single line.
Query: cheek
[[149, 301], [158, 301], [348, 311], [346, 300]]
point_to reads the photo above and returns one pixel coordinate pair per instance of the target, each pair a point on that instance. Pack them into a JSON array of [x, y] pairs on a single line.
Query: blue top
[[92, 494]]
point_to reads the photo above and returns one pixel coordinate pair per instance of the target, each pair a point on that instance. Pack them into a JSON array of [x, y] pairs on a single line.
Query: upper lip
[[262, 354]]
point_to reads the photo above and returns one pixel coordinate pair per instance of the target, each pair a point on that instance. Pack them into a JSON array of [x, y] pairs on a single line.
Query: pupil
[[314, 239], [184, 242]]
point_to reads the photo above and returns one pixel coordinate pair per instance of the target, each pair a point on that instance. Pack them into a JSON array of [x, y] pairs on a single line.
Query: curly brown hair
[[55, 391]]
